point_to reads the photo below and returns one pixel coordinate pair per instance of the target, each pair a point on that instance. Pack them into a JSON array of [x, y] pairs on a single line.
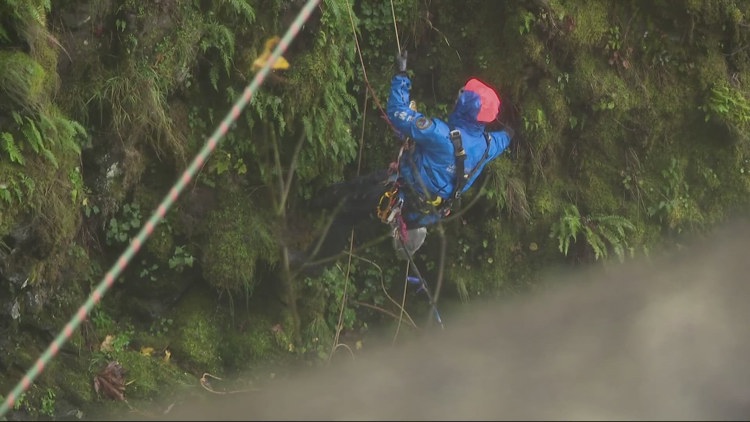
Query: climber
[[422, 186], [442, 159]]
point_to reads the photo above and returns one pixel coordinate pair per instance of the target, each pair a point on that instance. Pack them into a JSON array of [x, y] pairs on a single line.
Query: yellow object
[[436, 202], [106, 345], [147, 351], [280, 63], [167, 355]]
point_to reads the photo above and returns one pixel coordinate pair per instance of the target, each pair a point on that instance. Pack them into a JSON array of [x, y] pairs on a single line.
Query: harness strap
[[460, 154], [389, 208]]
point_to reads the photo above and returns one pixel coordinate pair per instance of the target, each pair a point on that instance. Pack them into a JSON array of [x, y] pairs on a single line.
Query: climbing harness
[[460, 154]]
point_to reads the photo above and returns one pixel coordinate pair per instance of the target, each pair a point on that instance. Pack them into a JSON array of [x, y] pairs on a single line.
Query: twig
[[345, 346], [382, 285], [385, 311], [205, 385], [403, 301]]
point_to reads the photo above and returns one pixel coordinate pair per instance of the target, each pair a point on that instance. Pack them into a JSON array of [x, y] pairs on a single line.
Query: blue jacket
[[433, 156]]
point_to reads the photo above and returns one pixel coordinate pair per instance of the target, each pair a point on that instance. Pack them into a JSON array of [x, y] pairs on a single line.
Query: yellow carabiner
[[385, 205]]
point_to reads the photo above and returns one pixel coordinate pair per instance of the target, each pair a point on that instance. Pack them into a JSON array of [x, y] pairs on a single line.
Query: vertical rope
[[106, 283], [395, 27]]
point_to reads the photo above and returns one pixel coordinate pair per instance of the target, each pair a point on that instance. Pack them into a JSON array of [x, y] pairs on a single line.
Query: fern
[[30, 186], [567, 228], [595, 242], [32, 134], [222, 38], [11, 148], [51, 157], [61, 131], [601, 232], [5, 194], [242, 8], [613, 229], [27, 11]]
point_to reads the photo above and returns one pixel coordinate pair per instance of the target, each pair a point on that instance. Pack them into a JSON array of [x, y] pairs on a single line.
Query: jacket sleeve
[[500, 142], [410, 123]]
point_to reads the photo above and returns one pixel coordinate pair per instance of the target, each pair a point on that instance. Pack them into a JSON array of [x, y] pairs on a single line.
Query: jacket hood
[[477, 104]]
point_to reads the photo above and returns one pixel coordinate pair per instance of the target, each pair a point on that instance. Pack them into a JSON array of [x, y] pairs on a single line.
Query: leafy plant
[[728, 105], [527, 19], [20, 401], [102, 321], [122, 340], [119, 230], [161, 327], [604, 103], [536, 122], [148, 270], [220, 37], [673, 205], [9, 145], [614, 43], [601, 232], [48, 403], [181, 259]]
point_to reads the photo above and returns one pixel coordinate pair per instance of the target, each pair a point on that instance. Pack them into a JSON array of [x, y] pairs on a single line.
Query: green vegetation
[[631, 122]]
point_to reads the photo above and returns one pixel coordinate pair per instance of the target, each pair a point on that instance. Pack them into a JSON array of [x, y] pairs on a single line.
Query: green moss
[[74, 384], [557, 107], [543, 201], [599, 194], [595, 84], [491, 262], [22, 81], [592, 23], [197, 333], [710, 69], [146, 375], [256, 344], [534, 51], [239, 236]]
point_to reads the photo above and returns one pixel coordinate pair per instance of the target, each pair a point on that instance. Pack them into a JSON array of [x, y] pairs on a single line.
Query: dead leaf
[[106, 345], [110, 381]]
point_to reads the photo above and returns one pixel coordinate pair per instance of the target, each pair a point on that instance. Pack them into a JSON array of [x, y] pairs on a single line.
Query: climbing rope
[[106, 283], [387, 202], [395, 27], [421, 282]]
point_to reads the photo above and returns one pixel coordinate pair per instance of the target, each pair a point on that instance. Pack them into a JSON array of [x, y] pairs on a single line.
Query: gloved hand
[[401, 61]]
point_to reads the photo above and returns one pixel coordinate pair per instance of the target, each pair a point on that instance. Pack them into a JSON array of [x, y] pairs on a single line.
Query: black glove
[[401, 62]]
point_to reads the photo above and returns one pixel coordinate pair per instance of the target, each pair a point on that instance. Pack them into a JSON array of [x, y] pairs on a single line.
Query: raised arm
[[408, 122]]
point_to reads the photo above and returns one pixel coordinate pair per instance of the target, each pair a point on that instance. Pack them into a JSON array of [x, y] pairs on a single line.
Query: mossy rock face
[[594, 26], [257, 342], [239, 236], [148, 375], [198, 333], [22, 81]]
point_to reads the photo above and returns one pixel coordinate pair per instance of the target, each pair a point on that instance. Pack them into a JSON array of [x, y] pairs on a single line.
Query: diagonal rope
[[135, 245]]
